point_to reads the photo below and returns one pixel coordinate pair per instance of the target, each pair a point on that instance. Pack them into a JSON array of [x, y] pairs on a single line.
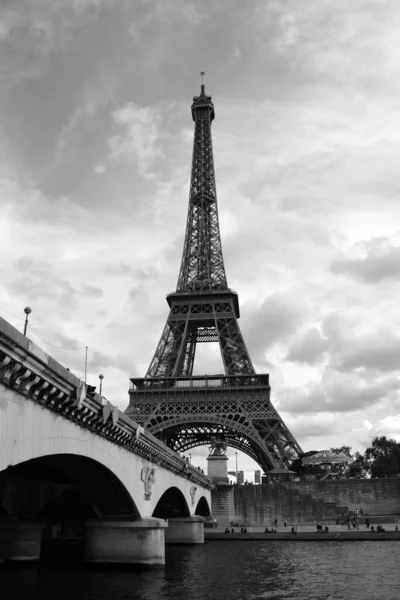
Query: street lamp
[[27, 311], [190, 458], [101, 377]]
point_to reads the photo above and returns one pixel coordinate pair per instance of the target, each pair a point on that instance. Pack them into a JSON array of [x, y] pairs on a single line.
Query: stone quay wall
[[304, 502]]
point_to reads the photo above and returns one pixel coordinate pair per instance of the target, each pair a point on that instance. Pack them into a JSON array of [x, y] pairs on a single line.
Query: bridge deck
[[27, 369]]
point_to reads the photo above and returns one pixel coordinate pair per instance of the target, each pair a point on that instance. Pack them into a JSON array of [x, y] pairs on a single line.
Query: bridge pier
[[185, 530], [135, 542], [20, 540]]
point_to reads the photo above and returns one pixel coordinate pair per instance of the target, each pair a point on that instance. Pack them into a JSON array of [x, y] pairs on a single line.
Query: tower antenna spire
[[202, 73]]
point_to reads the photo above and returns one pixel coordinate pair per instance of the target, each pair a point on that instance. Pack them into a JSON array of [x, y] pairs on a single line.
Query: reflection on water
[[226, 570]]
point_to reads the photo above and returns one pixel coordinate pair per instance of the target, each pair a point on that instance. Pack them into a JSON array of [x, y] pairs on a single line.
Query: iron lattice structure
[[186, 411]]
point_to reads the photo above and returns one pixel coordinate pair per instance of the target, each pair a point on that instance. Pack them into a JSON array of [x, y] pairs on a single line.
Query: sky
[[95, 144]]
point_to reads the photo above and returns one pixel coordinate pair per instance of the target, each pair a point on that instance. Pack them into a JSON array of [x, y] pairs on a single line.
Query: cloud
[[306, 160], [33, 34], [273, 321], [193, 15], [358, 342], [312, 427], [289, 33], [140, 143], [381, 265], [40, 282], [235, 56], [378, 351], [389, 426], [100, 360], [338, 393], [309, 348], [91, 290]]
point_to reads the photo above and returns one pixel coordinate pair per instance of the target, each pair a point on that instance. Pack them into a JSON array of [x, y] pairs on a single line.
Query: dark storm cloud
[[309, 348], [374, 268]]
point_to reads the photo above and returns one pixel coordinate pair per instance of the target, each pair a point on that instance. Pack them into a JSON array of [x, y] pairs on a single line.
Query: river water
[[226, 570]]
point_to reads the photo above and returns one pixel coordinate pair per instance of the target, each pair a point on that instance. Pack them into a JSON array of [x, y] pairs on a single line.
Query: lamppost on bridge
[[190, 458], [101, 377], [27, 311]]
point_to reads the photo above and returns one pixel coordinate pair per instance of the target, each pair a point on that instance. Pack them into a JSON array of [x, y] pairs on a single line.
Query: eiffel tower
[[185, 410]]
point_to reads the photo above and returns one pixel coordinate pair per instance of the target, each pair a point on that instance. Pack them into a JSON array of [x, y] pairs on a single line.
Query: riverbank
[[303, 536]]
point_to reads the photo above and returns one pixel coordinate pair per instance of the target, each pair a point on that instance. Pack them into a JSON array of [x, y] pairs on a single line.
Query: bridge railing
[[27, 369]]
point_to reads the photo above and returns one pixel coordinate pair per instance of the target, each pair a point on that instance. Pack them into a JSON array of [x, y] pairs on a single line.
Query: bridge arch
[[72, 485], [172, 504], [203, 508]]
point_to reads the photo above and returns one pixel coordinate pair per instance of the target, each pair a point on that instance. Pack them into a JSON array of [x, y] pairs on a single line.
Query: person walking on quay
[[367, 523], [285, 523], [276, 522], [337, 524]]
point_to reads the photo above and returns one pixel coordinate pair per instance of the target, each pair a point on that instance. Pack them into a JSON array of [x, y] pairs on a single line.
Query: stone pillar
[[135, 542], [222, 505], [185, 530], [217, 468], [20, 540]]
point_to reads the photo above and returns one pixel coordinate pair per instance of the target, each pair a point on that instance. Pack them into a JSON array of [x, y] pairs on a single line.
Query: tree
[[359, 467], [383, 457], [381, 446]]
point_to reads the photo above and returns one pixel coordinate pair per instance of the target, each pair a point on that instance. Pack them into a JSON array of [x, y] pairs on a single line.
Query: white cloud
[[389, 426], [309, 348], [140, 142], [367, 424], [379, 265], [235, 56]]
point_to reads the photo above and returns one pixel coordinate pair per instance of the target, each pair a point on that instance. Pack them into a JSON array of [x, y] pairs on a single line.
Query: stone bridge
[[73, 464]]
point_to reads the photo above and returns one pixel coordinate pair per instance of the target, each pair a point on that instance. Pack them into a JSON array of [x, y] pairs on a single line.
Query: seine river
[[226, 570]]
